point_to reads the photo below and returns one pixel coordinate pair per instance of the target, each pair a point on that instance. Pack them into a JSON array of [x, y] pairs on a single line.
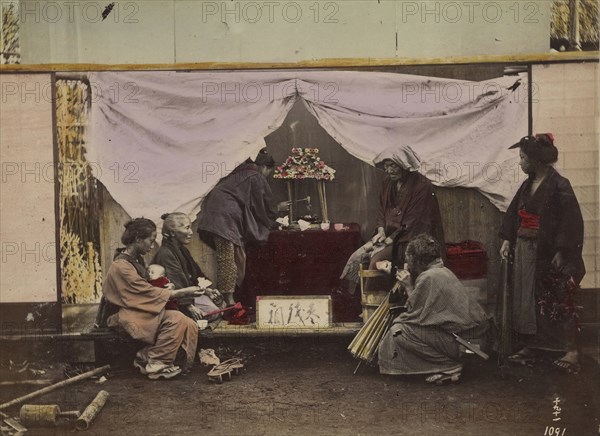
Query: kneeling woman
[[420, 340], [142, 312]]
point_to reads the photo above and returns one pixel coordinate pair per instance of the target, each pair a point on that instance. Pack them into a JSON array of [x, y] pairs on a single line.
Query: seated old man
[[420, 340]]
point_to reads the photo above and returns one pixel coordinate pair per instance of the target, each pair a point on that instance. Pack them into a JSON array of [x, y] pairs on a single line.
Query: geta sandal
[[217, 374], [225, 370], [523, 358], [235, 365], [566, 366], [442, 378]]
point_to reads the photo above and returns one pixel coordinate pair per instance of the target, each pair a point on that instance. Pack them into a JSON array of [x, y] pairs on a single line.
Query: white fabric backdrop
[[161, 140]]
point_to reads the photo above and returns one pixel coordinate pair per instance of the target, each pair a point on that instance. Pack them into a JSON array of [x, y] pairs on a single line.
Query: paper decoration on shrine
[[304, 163]]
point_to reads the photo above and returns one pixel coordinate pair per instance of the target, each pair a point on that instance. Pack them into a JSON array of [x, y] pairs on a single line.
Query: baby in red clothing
[[157, 277]]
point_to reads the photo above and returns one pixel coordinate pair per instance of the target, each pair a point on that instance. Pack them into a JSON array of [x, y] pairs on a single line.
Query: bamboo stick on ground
[[26, 382], [55, 386], [91, 411]]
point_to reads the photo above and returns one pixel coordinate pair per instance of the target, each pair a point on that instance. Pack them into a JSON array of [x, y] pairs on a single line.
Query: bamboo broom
[[377, 333], [366, 342]]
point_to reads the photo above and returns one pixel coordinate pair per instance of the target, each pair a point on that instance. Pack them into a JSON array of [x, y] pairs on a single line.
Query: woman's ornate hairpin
[[545, 137]]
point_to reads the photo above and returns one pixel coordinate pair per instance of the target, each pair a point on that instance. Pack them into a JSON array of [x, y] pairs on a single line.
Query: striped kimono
[[420, 340]]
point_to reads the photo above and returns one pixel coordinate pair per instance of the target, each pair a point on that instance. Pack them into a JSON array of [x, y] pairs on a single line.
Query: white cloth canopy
[[161, 140]]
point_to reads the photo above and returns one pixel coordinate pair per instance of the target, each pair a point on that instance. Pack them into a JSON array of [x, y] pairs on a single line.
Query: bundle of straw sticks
[[365, 343]]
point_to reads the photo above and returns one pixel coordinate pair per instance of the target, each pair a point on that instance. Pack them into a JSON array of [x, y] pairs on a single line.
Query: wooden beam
[[586, 56]]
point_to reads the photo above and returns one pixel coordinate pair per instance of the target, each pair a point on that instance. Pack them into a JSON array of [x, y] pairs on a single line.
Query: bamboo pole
[[26, 382], [322, 200], [291, 199], [91, 411], [54, 387], [326, 216]]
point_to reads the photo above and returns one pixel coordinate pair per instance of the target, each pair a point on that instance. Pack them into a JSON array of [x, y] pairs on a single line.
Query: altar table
[[309, 262]]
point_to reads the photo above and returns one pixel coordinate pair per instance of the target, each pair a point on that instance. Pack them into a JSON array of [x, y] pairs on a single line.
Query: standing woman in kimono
[[141, 307], [543, 227], [239, 209]]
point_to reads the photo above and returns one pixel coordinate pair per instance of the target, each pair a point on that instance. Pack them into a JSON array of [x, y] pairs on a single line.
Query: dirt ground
[[306, 386]]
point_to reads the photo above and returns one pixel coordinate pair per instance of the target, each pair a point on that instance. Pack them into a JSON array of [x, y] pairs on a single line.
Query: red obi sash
[[529, 220]]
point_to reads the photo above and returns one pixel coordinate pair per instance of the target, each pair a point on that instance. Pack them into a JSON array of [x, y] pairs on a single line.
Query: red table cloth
[[294, 262]]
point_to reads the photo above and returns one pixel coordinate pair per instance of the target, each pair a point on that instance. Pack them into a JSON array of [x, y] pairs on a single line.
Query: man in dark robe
[[407, 207]]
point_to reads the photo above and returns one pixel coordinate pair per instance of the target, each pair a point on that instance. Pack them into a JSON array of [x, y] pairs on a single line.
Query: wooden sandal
[[225, 370], [235, 365], [566, 366], [442, 378], [217, 374], [524, 358]]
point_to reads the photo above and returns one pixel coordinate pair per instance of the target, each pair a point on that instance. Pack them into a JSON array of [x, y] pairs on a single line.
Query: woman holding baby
[[141, 307]]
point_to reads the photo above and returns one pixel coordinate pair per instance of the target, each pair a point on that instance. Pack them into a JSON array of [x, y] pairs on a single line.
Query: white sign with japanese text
[[293, 311]]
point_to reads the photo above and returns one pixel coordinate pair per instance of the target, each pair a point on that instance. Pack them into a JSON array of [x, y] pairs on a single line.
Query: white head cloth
[[402, 155]]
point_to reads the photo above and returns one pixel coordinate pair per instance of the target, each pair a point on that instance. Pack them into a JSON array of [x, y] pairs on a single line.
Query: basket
[[467, 259]]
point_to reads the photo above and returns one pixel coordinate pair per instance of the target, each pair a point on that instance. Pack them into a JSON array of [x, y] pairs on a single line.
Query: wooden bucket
[[370, 300]]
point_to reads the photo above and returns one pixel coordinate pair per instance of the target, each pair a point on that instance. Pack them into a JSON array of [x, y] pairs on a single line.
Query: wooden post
[[326, 215], [291, 199], [505, 345], [574, 41], [322, 199]]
